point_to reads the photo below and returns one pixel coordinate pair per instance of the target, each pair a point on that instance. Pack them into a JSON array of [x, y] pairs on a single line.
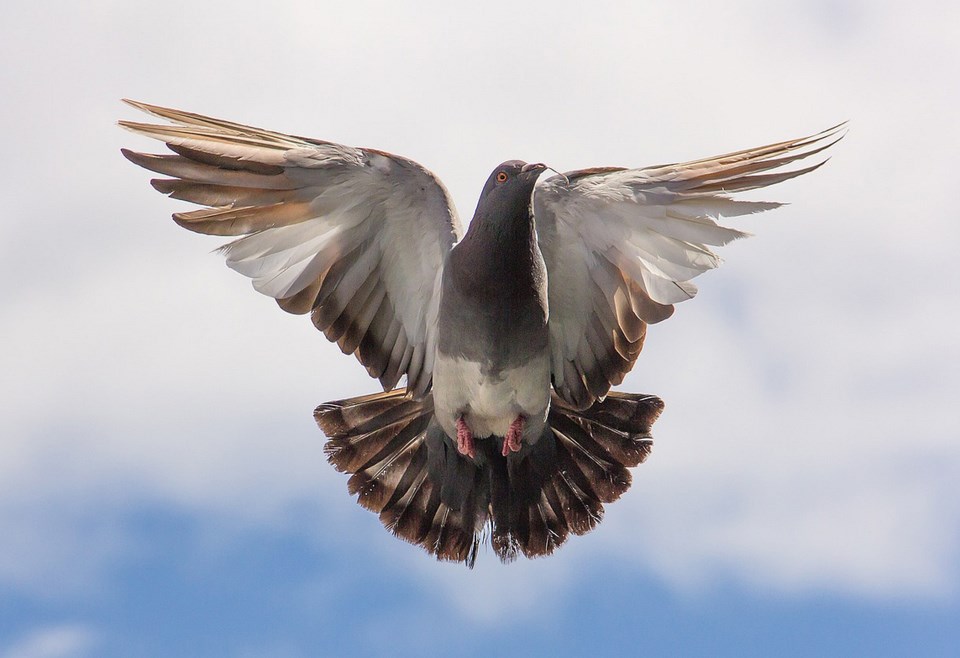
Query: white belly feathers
[[489, 404]]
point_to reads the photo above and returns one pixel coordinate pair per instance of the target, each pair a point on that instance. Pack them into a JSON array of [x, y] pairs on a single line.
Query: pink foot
[[511, 442], [465, 439]]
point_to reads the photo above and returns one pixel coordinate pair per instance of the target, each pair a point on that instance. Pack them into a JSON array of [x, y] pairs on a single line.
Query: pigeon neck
[[507, 235]]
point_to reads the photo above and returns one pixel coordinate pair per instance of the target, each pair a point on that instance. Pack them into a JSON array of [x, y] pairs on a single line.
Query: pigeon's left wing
[[355, 237], [621, 246]]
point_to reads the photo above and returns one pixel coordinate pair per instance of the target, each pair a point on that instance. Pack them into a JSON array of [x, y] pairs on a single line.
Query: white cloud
[[61, 641], [809, 441]]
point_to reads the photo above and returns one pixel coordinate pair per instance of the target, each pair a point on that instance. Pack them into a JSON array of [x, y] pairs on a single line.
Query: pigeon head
[[510, 186]]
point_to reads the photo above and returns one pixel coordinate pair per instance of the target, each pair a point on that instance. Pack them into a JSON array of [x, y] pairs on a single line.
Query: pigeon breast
[[492, 359]]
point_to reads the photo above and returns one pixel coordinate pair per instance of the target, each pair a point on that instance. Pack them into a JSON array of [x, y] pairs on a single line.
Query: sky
[[163, 489]]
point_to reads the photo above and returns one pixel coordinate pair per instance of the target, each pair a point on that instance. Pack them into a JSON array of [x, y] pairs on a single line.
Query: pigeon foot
[[511, 442], [465, 444]]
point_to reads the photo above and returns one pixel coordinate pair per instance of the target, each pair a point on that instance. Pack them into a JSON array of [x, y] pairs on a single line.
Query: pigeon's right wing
[[621, 246], [355, 237]]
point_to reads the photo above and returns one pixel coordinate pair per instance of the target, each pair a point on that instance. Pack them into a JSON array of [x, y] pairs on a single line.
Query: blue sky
[[163, 490]]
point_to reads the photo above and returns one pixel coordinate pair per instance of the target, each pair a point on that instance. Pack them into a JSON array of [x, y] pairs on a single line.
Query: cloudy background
[[163, 490]]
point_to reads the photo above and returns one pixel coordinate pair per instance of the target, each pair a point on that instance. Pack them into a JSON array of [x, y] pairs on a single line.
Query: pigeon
[[496, 348]]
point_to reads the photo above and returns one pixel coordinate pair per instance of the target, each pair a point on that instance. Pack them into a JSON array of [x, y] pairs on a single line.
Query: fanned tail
[[385, 441], [404, 468]]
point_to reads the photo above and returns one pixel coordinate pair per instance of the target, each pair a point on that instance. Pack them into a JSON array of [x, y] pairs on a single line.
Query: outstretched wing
[[355, 237], [621, 246]]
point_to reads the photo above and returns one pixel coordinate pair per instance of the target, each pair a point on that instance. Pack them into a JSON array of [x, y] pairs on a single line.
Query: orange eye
[[502, 177]]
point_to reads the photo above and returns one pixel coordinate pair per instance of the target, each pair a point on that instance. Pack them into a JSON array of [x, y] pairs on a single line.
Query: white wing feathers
[[356, 237], [621, 246]]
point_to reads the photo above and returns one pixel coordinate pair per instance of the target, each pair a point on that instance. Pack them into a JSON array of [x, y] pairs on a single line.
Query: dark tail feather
[[385, 441], [404, 468], [578, 465]]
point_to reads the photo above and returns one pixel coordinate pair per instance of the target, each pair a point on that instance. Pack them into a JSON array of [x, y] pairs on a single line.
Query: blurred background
[[163, 490]]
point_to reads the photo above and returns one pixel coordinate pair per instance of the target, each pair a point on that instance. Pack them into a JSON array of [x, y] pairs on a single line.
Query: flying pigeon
[[508, 338]]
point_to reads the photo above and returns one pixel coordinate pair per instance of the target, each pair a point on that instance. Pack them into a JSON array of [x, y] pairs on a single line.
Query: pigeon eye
[[502, 177]]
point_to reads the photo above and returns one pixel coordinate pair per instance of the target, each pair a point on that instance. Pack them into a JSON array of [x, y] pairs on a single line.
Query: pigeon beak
[[536, 167]]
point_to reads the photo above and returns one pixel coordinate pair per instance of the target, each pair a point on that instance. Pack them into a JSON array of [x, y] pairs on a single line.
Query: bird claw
[[465, 445], [511, 442]]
